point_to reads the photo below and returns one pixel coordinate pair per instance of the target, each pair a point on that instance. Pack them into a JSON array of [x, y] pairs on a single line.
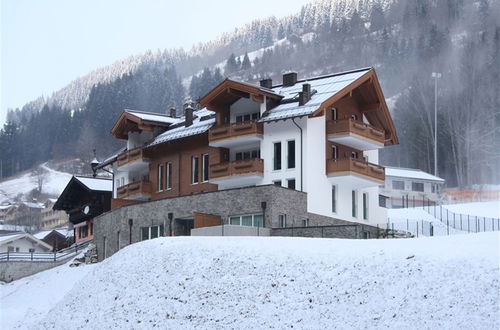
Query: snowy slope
[[254, 283], [36, 295], [54, 183]]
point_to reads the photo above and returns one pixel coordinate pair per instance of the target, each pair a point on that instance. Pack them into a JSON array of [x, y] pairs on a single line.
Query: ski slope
[[53, 184], [271, 282]]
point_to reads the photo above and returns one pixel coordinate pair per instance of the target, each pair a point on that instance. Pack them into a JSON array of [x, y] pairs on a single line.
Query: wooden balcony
[[132, 160], [239, 173], [355, 172], [355, 134], [235, 134], [135, 191]]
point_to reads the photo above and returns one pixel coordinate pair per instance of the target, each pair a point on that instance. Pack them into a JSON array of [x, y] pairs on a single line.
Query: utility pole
[[436, 76]]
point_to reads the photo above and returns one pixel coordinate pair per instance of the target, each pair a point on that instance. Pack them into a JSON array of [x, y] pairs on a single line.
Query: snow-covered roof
[[325, 87], [151, 116], [98, 184], [34, 205], [13, 237], [410, 173], [63, 231], [202, 122]]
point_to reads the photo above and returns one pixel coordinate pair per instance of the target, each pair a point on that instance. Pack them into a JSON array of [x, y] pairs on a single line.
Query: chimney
[[305, 95], [188, 114], [289, 79], [173, 112], [267, 83]]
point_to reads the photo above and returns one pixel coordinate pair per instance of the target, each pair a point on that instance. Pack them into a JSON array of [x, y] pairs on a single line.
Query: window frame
[[365, 206], [195, 165], [288, 181], [398, 181], [415, 184], [161, 170], [354, 203], [334, 152], [289, 160], [282, 220], [239, 217], [334, 198], [277, 159], [168, 175], [205, 163]]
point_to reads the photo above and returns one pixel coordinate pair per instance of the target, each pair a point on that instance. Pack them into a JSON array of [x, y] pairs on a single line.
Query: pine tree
[[245, 65]]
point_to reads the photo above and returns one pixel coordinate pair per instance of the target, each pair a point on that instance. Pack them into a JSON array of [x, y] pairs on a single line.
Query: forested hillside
[[405, 40]]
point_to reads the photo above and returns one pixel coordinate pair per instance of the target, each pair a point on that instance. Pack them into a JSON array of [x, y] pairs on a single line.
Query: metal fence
[[44, 256]]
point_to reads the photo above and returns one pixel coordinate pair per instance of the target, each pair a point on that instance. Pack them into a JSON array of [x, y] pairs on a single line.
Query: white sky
[[47, 43]]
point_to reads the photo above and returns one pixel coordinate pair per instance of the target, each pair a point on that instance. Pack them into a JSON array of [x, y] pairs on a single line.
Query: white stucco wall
[[23, 244]]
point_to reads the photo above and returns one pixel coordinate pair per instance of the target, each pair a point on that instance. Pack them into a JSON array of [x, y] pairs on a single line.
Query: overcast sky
[[47, 43]]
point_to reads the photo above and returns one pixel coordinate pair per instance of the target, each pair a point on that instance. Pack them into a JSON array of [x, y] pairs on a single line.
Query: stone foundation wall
[[112, 231], [13, 270]]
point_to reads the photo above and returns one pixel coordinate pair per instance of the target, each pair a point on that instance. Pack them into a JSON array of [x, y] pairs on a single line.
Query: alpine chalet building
[[252, 160]]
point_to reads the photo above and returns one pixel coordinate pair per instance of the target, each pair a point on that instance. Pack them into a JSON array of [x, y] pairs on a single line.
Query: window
[[354, 154], [10, 249], [417, 186], [365, 206], [334, 152], [396, 184], [152, 232], [205, 168], [334, 199], [117, 183], [160, 177], [334, 113], [354, 203], [17, 249], [277, 156], [382, 201], [291, 154], [354, 117], [194, 169], [433, 187], [169, 176], [247, 117], [123, 182], [82, 232], [31, 250], [277, 183], [282, 220], [235, 221], [250, 220], [305, 222], [251, 154], [291, 183]]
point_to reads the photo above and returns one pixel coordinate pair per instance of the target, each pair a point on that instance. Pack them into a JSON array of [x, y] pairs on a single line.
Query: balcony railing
[[134, 189], [237, 168], [348, 126], [356, 166], [131, 156], [235, 130]]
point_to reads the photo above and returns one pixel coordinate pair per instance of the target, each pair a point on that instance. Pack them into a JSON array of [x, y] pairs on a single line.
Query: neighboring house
[[301, 153], [83, 199], [52, 218], [3, 211], [22, 242], [59, 238], [406, 187], [27, 214]]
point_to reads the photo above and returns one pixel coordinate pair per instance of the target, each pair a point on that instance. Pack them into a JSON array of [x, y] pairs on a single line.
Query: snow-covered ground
[[257, 282], [408, 218], [23, 303], [53, 184]]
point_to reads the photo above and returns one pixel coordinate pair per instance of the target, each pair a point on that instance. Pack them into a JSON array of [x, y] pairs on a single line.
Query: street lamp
[[436, 76]]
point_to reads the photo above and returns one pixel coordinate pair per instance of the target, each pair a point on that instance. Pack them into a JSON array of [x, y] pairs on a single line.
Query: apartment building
[[299, 153], [52, 219]]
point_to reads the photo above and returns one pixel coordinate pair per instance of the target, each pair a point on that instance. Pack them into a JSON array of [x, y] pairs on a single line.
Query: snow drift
[[229, 282]]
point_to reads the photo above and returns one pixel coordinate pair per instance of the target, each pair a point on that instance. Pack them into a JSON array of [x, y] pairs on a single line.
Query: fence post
[[407, 225], [54, 256], [441, 212], [468, 223], [31, 255], [417, 228], [484, 224], [431, 229], [378, 232], [7, 255], [447, 227]]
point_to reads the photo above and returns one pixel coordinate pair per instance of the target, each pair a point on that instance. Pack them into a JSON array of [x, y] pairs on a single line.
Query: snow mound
[[243, 282]]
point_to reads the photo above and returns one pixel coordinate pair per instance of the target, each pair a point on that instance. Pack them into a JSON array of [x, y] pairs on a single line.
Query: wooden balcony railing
[[346, 126], [357, 166], [235, 130], [236, 168], [134, 189], [131, 156]]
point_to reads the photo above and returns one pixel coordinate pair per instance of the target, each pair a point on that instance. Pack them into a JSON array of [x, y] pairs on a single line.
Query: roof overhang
[[230, 91], [129, 122], [376, 112]]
